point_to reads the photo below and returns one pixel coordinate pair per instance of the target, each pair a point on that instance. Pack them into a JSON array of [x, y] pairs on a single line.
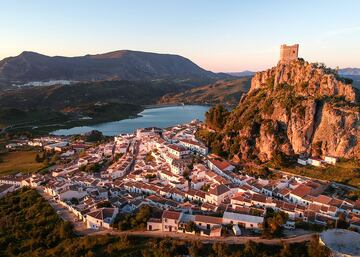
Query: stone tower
[[288, 53]]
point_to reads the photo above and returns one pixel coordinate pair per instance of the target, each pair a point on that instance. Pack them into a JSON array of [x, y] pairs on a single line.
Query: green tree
[[216, 117], [190, 226], [66, 230]]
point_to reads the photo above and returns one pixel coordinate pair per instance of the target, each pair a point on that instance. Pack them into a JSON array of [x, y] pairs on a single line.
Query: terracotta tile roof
[[220, 164], [173, 215], [102, 213], [336, 202], [302, 191], [357, 204], [219, 190], [323, 199], [258, 198], [208, 219]]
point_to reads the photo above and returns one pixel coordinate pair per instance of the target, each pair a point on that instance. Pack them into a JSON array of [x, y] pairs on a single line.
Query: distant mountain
[[350, 71], [225, 92], [244, 73], [124, 64]]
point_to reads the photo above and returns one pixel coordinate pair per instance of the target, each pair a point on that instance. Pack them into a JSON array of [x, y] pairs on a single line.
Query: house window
[[251, 225], [165, 220], [199, 224], [208, 226]]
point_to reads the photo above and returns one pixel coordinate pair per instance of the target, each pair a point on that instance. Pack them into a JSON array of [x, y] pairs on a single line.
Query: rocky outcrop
[[308, 79], [297, 108]]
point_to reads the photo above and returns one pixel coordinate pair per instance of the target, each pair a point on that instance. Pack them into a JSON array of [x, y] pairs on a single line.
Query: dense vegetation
[[30, 227], [135, 220], [273, 223]]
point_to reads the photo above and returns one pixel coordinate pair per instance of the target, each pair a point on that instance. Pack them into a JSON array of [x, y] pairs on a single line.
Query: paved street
[[79, 226], [228, 240]]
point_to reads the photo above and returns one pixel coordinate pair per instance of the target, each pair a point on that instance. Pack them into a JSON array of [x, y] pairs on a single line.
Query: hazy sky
[[217, 35]]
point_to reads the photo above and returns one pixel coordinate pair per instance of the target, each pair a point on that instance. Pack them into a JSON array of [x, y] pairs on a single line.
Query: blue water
[[154, 117]]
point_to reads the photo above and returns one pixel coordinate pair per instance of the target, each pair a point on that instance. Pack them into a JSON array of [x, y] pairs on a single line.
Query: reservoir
[[161, 117]]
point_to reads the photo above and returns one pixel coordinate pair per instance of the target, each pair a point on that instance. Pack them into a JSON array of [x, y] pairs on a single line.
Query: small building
[[154, 224], [207, 222], [302, 161], [330, 160], [101, 218], [314, 162], [243, 220], [170, 221], [194, 146]]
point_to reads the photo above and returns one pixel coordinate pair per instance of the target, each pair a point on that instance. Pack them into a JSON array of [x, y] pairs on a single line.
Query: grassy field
[[23, 161], [346, 172]]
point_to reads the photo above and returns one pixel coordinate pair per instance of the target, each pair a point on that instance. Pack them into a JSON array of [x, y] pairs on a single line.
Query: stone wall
[[288, 53]]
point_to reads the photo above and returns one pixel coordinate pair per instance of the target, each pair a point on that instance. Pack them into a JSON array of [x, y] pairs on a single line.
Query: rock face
[[296, 108]]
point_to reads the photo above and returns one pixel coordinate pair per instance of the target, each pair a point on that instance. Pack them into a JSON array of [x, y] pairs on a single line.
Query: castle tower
[[288, 53]]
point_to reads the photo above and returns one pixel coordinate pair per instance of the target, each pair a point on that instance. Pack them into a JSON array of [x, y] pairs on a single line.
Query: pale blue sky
[[218, 35]]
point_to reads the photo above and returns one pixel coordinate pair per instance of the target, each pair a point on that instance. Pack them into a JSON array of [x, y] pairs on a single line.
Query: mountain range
[[117, 65]]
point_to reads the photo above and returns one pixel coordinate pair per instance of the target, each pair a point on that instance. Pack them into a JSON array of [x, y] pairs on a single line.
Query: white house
[[217, 194], [330, 160], [302, 161], [101, 218], [314, 161], [207, 222], [170, 220], [219, 165], [194, 146], [243, 220], [178, 151]]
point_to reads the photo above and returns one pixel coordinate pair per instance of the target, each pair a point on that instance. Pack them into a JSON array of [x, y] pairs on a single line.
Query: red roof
[[221, 164], [301, 191], [208, 219], [173, 215]]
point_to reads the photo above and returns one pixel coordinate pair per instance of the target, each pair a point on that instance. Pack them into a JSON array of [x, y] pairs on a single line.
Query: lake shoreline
[[160, 116], [153, 106]]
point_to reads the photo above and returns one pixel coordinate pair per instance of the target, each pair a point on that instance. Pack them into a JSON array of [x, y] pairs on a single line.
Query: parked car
[[289, 225], [236, 230]]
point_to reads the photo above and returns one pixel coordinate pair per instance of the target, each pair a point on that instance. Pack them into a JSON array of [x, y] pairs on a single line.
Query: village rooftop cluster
[[169, 169]]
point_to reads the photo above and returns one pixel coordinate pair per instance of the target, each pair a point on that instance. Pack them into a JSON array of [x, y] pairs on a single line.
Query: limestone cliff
[[295, 108]]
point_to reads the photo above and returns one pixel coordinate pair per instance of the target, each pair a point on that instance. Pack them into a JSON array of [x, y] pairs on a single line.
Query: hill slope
[[225, 92], [124, 64], [296, 108], [62, 106]]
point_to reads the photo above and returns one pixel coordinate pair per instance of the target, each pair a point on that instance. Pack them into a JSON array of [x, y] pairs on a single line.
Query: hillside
[[124, 64], [225, 92], [63, 106], [294, 109]]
